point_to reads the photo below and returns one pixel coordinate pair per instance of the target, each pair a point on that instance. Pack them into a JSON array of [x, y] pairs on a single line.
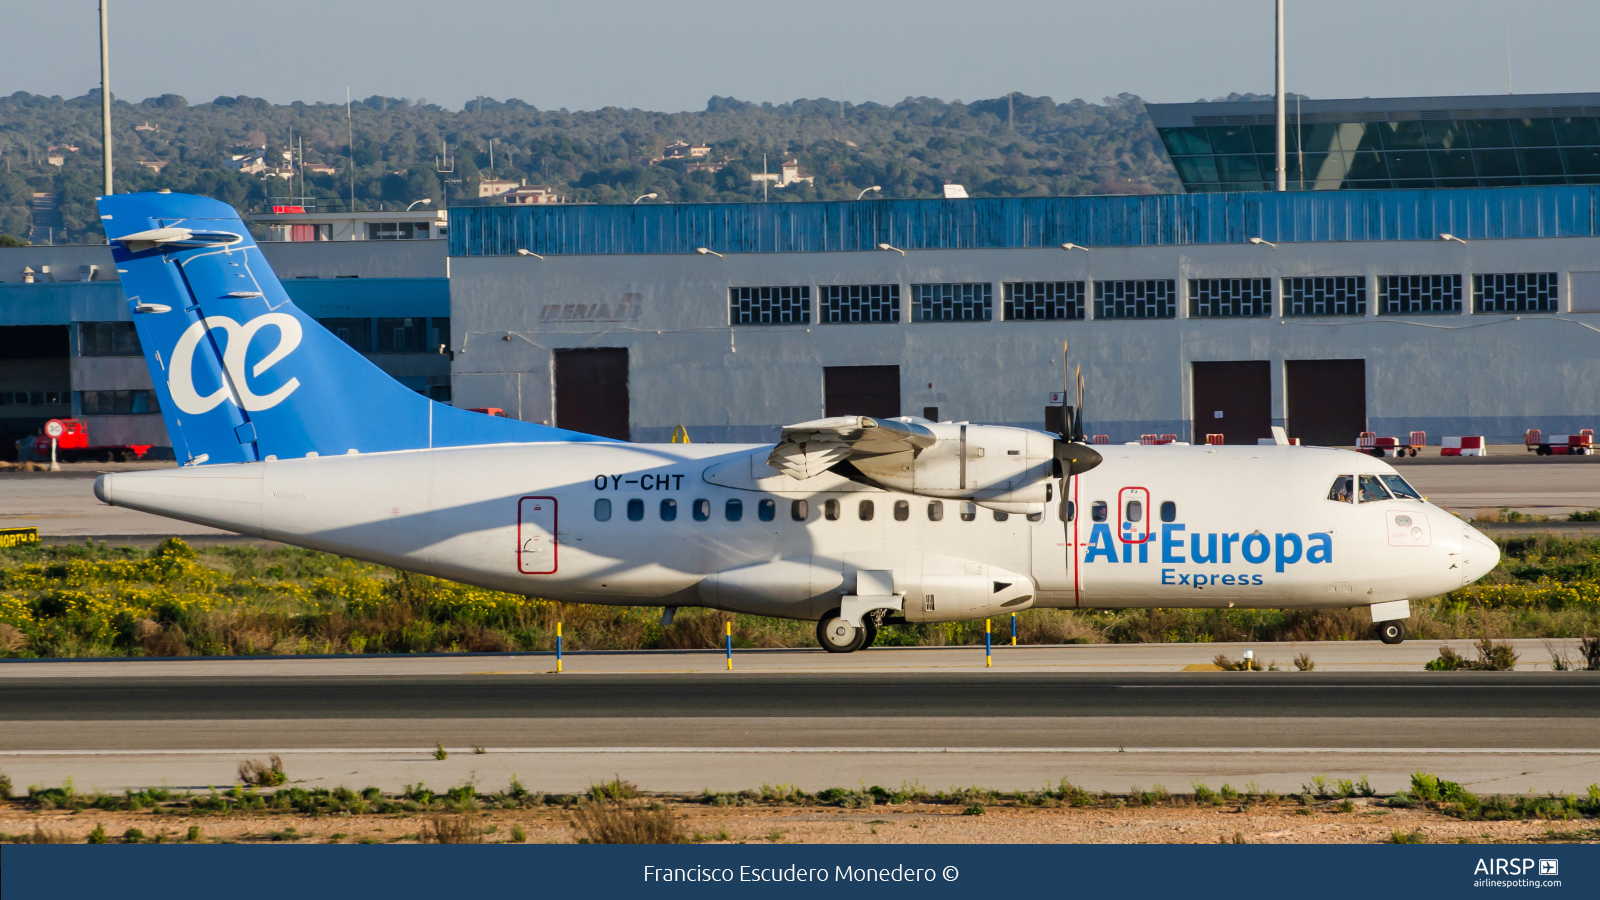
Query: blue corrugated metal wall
[[1101, 221]]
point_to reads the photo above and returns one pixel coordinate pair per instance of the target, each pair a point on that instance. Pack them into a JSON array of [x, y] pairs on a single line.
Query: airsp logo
[[180, 380]]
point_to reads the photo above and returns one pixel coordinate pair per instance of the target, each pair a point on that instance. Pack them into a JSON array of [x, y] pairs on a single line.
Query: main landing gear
[[1391, 632], [838, 636]]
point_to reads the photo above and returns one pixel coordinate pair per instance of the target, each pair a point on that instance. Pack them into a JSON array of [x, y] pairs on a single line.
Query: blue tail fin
[[242, 374]]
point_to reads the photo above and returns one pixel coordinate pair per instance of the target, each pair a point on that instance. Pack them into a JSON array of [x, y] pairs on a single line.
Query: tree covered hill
[[1021, 146]]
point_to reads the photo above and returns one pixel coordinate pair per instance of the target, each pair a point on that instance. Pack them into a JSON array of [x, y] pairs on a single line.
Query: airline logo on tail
[[180, 379]]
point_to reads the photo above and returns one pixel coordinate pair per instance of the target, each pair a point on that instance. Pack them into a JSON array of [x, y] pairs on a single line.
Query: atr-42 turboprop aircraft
[[285, 432]]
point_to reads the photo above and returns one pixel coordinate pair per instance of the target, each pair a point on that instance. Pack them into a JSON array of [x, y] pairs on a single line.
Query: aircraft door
[[536, 535]]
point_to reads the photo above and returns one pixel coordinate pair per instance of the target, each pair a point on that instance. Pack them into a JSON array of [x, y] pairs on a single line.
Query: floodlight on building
[[870, 190], [428, 200], [1263, 242], [891, 247], [521, 252], [650, 196], [1071, 246], [704, 251], [1450, 237]]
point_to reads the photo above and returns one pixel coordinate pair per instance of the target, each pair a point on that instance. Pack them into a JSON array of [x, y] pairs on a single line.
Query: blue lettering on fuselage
[[1281, 550]]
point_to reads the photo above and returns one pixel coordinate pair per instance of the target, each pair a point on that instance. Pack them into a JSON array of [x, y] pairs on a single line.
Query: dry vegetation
[[95, 600], [1328, 810]]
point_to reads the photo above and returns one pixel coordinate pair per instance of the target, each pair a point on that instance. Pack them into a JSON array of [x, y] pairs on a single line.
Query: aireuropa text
[[792, 873]]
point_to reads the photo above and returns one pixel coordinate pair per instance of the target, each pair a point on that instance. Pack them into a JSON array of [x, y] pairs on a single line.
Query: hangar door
[[1233, 399], [592, 391], [861, 391], [1327, 400]]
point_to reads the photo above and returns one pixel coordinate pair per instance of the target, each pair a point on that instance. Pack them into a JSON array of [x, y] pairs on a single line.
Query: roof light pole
[[105, 96], [1281, 172], [649, 196], [870, 190], [414, 204]]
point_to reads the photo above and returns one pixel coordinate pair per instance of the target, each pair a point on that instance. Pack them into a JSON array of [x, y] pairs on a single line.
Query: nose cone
[[1478, 554], [102, 489]]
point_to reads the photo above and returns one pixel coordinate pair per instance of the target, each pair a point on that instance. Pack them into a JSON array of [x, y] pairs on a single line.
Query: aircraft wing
[[810, 448]]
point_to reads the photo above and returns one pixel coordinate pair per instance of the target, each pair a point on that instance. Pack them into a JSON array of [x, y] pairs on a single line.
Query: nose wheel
[[1391, 632], [838, 636]]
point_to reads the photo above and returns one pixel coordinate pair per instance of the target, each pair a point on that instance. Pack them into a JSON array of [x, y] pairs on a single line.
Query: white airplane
[[286, 433]]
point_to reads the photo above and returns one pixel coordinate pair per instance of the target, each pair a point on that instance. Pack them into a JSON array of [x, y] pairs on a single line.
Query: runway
[[694, 730]]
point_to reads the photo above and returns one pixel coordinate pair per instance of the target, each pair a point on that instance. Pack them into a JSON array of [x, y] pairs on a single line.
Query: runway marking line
[[1233, 751]]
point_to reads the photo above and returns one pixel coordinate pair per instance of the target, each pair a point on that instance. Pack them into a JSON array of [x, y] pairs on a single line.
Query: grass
[[82, 600], [263, 774], [627, 822], [1492, 657], [449, 830]]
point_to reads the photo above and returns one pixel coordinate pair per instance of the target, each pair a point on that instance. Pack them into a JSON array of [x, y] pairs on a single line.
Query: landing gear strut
[[1391, 632]]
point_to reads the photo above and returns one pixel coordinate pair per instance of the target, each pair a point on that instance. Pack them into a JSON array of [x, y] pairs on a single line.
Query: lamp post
[[1281, 175], [649, 196], [870, 190], [1262, 242], [414, 203], [105, 96]]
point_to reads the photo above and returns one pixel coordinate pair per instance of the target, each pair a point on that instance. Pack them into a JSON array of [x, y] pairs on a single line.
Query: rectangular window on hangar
[[972, 302], [355, 332], [1331, 295], [1404, 295], [1515, 292], [1230, 298], [402, 335], [1149, 299], [860, 303], [770, 305], [108, 339], [1047, 300]]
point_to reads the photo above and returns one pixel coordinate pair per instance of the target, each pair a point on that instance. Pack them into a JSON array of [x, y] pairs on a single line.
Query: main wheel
[[1392, 632], [838, 636]]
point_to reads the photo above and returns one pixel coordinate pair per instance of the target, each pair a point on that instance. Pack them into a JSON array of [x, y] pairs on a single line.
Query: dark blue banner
[[435, 872]]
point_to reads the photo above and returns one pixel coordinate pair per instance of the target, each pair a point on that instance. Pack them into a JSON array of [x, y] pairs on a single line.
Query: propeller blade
[[1077, 409]]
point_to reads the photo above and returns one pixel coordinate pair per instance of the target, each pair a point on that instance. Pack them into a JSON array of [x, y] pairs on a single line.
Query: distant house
[[788, 174], [250, 163], [319, 169], [154, 165], [55, 158], [532, 195], [684, 150], [494, 187], [147, 127]]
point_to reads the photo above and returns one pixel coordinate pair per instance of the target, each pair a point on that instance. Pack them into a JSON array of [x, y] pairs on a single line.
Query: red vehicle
[[72, 445], [489, 411]]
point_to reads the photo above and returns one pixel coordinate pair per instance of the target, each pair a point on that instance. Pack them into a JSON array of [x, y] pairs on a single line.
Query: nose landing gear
[[1391, 632], [838, 636]]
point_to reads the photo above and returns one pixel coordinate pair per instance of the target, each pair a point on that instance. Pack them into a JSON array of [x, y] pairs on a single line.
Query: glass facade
[[1043, 299], [1400, 295], [769, 305], [952, 302], [1516, 292], [860, 303], [1328, 295], [1376, 155], [1153, 299]]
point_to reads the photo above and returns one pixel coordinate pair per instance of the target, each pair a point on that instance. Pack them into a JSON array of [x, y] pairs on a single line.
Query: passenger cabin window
[[1343, 489], [1372, 490], [1001, 516], [1036, 517], [1135, 511], [1399, 488], [902, 510], [733, 510], [969, 512], [767, 510], [1097, 511], [1069, 511], [935, 511], [830, 510], [865, 510], [799, 510], [669, 510], [602, 510], [1169, 511], [701, 509], [636, 510]]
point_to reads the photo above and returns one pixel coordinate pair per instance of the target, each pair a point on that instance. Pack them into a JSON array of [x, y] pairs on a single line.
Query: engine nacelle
[[992, 465]]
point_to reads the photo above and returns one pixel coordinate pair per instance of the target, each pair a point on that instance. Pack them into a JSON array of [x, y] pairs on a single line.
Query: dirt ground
[[910, 823]]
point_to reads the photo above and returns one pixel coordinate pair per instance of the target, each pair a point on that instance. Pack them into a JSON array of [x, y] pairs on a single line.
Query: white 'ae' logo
[[180, 379]]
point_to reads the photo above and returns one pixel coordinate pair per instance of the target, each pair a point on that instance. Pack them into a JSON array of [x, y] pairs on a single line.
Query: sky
[[674, 56]]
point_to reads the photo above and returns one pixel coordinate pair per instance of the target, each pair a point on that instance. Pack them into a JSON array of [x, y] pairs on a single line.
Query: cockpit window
[[1399, 487], [1343, 487], [1372, 489]]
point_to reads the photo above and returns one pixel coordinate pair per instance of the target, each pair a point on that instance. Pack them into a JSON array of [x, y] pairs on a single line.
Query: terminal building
[[1453, 303]]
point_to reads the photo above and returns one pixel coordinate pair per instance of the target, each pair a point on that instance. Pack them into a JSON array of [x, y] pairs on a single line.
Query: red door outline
[[534, 535], [1122, 514]]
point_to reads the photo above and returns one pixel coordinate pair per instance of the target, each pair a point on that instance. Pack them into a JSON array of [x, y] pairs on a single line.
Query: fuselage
[[713, 525]]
